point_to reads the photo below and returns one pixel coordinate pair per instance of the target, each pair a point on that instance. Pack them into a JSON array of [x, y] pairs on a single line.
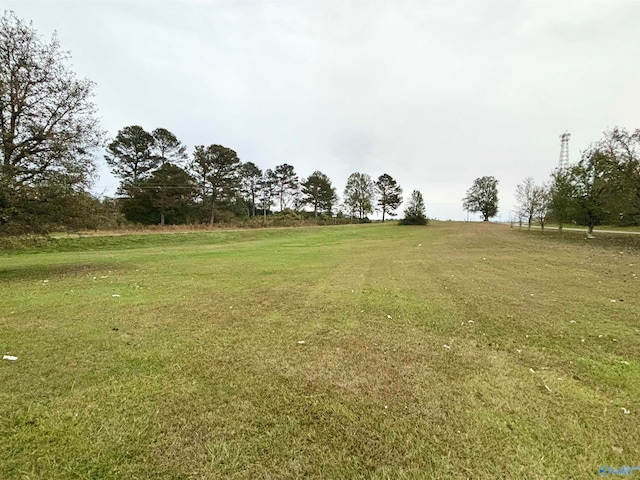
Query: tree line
[[161, 184], [49, 133]]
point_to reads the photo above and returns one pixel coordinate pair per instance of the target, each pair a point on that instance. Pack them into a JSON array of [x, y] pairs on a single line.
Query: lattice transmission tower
[[564, 150]]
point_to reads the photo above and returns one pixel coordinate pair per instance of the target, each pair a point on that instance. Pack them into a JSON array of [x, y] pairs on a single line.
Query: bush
[[417, 220]]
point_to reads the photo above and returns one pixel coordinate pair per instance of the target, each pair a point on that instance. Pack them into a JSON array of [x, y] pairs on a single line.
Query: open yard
[[373, 351]]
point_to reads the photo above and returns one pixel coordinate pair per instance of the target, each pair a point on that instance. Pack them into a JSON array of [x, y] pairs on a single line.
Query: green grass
[[196, 369]]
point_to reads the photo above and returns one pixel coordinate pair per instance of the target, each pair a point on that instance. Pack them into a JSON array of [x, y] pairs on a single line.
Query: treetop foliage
[[130, 154], [167, 148]]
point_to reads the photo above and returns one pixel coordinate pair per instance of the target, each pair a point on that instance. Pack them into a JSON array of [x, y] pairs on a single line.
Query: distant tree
[[561, 197], [389, 194], [622, 147], [543, 204], [286, 184], [130, 156], [359, 194], [482, 197], [318, 192], [170, 189], [594, 183], [49, 128], [266, 191], [250, 177], [414, 214], [167, 148], [216, 171], [531, 200]]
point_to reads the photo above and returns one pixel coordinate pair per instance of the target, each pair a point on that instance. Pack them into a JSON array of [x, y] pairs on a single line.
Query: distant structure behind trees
[[602, 188], [50, 134]]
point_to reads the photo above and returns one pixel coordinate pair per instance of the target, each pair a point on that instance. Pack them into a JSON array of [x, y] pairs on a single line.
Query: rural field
[[366, 351]]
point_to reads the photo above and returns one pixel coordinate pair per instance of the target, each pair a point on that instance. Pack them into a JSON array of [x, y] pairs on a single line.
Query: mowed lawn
[[373, 351]]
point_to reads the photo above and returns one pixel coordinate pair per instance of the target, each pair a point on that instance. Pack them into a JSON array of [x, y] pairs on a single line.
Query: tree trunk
[[264, 214], [253, 202], [162, 218]]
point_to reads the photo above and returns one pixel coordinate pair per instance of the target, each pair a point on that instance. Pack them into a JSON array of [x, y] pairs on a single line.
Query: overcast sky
[[435, 94]]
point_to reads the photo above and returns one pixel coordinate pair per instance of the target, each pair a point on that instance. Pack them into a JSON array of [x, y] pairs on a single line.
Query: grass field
[[374, 351]]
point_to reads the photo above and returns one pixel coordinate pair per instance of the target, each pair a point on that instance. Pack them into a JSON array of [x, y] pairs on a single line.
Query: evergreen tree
[[318, 192], [414, 214], [167, 148], [250, 177], [286, 184], [216, 171], [130, 156], [389, 194]]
